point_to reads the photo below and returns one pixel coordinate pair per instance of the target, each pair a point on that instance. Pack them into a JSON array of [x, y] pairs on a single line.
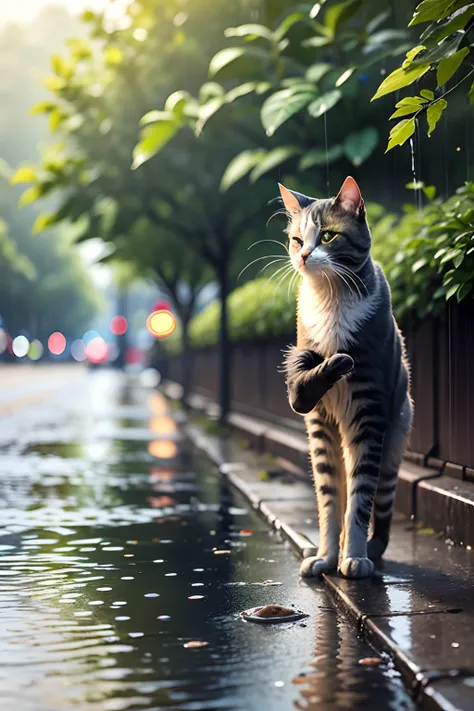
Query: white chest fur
[[332, 319]]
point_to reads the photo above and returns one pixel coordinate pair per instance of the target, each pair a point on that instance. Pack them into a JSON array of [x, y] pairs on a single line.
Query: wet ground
[[119, 545]]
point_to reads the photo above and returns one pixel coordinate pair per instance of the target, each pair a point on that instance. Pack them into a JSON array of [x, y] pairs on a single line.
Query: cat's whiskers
[[331, 291], [280, 259], [275, 241], [353, 275], [259, 259], [342, 277], [287, 267], [278, 212]]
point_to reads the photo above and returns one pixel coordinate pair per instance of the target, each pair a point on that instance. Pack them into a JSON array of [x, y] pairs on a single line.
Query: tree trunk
[[224, 345], [122, 341], [186, 362]]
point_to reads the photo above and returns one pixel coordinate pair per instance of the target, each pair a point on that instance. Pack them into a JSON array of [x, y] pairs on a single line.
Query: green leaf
[[287, 23], [224, 58], [324, 103], [314, 12], [154, 116], [207, 111], [400, 133], [316, 71], [241, 90], [407, 106], [54, 83], [411, 54], [433, 114], [317, 41], [419, 264], [339, 13], [430, 191], [458, 260], [42, 222], [451, 291], [240, 166], [449, 65], [249, 31], [345, 76], [320, 156], [465, 289], [434, 10], [358, 146], [399, 79], [273, 159], [281, 105], [427, 94], [154, 137], [42, 107], [436, 32], [30, 195], [24, 175], [113, 55]]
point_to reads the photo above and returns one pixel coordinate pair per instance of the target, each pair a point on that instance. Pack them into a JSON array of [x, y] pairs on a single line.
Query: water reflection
[[108, 569]]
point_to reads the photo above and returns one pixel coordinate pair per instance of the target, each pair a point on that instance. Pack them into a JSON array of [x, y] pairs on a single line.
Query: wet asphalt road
[[111, 528]]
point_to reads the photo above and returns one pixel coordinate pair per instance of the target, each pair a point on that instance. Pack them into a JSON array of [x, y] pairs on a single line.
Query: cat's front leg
[[309, 376], [363, 451]]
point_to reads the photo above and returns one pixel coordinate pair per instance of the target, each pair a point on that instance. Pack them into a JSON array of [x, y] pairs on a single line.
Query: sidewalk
[[419, 606]]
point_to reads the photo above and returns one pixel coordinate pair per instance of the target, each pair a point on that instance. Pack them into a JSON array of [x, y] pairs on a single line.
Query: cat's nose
[[304, 254]]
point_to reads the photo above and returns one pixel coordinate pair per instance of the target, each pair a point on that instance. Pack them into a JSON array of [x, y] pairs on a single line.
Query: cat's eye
[[327, 237], [298, 241]]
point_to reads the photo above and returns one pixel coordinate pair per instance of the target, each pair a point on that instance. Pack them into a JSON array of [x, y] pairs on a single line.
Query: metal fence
[[441, 352]]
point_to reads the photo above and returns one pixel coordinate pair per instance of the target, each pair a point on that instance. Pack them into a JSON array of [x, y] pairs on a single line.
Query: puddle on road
[[108, 570]]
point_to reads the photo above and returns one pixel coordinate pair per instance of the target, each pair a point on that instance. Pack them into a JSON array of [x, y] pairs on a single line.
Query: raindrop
[[151, 595], [128, 577], [96, 602], [103, 589], [159, 561], [198, 570], [169, 575], [197, 585], [280, 683], [122, 618], [135, 634], [82, 614], [163, 618]]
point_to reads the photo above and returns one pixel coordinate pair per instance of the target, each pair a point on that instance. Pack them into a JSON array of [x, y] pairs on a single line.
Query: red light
[[162, 305], [57, 343], [118, 325], [96, 350]]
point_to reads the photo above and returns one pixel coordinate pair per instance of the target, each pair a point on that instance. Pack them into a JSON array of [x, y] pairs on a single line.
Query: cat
[[348, 376]]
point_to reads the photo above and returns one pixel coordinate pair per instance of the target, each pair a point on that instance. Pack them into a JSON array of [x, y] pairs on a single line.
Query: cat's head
[[328, 233]]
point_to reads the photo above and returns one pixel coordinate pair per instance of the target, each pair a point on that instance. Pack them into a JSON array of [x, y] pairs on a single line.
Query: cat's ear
[[292, 200], [350, 197]]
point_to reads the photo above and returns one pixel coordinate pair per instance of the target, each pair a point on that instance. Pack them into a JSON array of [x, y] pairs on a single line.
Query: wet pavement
[[120, 544]]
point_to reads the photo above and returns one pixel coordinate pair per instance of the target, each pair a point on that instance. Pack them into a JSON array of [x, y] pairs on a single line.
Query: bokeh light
[[161, 323], [163, 425], [158, 403], [20, 346], [57, 343], [89, 336], [36, 350], [96, 350], [3, 340], [113, 352], [118, 325], [150, 378], [163, 449], [78, 350]]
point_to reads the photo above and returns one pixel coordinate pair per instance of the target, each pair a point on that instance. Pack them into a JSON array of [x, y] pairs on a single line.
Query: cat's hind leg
[[326, 460], [394, 447]]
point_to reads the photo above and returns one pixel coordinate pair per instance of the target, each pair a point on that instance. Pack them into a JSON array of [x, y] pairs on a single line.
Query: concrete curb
[[432, 688]]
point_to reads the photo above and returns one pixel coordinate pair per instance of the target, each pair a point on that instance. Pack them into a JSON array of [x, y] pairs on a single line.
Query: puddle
[[112, 595]]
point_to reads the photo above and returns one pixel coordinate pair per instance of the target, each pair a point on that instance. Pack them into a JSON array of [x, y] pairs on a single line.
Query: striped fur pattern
[[357, 418]]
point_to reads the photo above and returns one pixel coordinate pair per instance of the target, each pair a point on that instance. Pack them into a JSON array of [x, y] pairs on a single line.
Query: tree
[[100, 93], [444, 47]]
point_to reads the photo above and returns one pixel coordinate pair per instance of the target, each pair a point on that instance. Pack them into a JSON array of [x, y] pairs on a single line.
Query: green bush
[[427, 254]]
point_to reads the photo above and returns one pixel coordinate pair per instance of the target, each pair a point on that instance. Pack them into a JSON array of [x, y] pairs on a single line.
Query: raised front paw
[[356, 568], [336, 367], [314, 567]]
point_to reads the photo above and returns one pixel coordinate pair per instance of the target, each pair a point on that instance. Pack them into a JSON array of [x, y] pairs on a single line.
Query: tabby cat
[[348, 375]]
